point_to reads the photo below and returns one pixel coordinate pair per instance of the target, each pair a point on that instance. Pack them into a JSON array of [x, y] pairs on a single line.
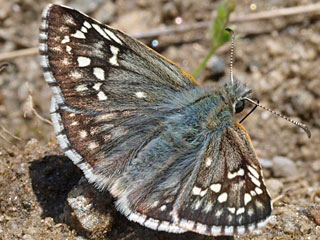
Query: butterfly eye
[[239, 106]]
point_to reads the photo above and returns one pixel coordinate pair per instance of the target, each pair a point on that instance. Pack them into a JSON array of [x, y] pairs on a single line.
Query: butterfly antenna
[[231, 52], [304, 127]]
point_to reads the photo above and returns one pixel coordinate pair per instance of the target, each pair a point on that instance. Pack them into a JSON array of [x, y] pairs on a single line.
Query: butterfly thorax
[[207, 109]]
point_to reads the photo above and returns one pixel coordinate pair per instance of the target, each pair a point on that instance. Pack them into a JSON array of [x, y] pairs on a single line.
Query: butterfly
[[138, 125]]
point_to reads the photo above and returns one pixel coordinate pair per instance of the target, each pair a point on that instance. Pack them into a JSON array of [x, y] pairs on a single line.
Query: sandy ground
[[277, 58]]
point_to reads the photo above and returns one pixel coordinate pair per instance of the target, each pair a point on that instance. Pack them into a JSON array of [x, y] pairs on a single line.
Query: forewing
[[107, 88], [91, 66]]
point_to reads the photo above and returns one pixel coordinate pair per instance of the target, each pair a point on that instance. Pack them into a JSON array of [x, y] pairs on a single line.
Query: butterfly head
[[237, 91]]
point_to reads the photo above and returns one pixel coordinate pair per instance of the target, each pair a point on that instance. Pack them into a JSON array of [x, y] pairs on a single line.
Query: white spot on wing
[[66, 39], [240, 211], [232, 209], [163, 207], [84, 29], [79, 35], [141, 94], [100, 31], [216, 187], [106, 117], [208, 161], [154, 204], [75, 74], [258, 190], [197, 204], [97, 86], [113, 36], [202, 193], [196, 190], [83, 134], [74, 123], [102, 96], [68, 49], [219, 212], [240, 172], [69, 20], [208, 207], [83, 61], [92, 145], [247, 198], [222, 197], [254, 180], [250, 211], [81, 88], [99, 73], [114, 59], [86, 24], [253, 171], [66, 61]]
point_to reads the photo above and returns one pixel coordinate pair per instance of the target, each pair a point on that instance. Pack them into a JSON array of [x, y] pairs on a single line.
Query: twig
[[40, 117], [282, 12], [9, 133], [156, 32], [19, 53], [30, 107], [7, 140]]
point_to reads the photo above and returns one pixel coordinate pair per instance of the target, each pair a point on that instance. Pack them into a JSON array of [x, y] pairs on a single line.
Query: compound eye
[[240, 106]]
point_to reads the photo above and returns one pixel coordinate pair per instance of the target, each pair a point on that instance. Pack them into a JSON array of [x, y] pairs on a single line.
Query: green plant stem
[[204, 62]]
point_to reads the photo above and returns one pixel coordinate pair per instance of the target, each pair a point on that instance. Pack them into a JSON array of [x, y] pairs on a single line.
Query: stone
[[87, 210], [284, 167], [316, 165]]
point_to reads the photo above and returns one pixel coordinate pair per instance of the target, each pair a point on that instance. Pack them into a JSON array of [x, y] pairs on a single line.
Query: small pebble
[[284, 167], [316, 165], [87, 209]]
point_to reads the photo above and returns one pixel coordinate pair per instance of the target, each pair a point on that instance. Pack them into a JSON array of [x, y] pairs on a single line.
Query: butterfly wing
[[105, 68], [228, 195], [220, 191], [107, 88]]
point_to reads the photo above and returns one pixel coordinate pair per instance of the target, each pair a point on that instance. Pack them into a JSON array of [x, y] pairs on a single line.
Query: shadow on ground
[[52, 179]]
